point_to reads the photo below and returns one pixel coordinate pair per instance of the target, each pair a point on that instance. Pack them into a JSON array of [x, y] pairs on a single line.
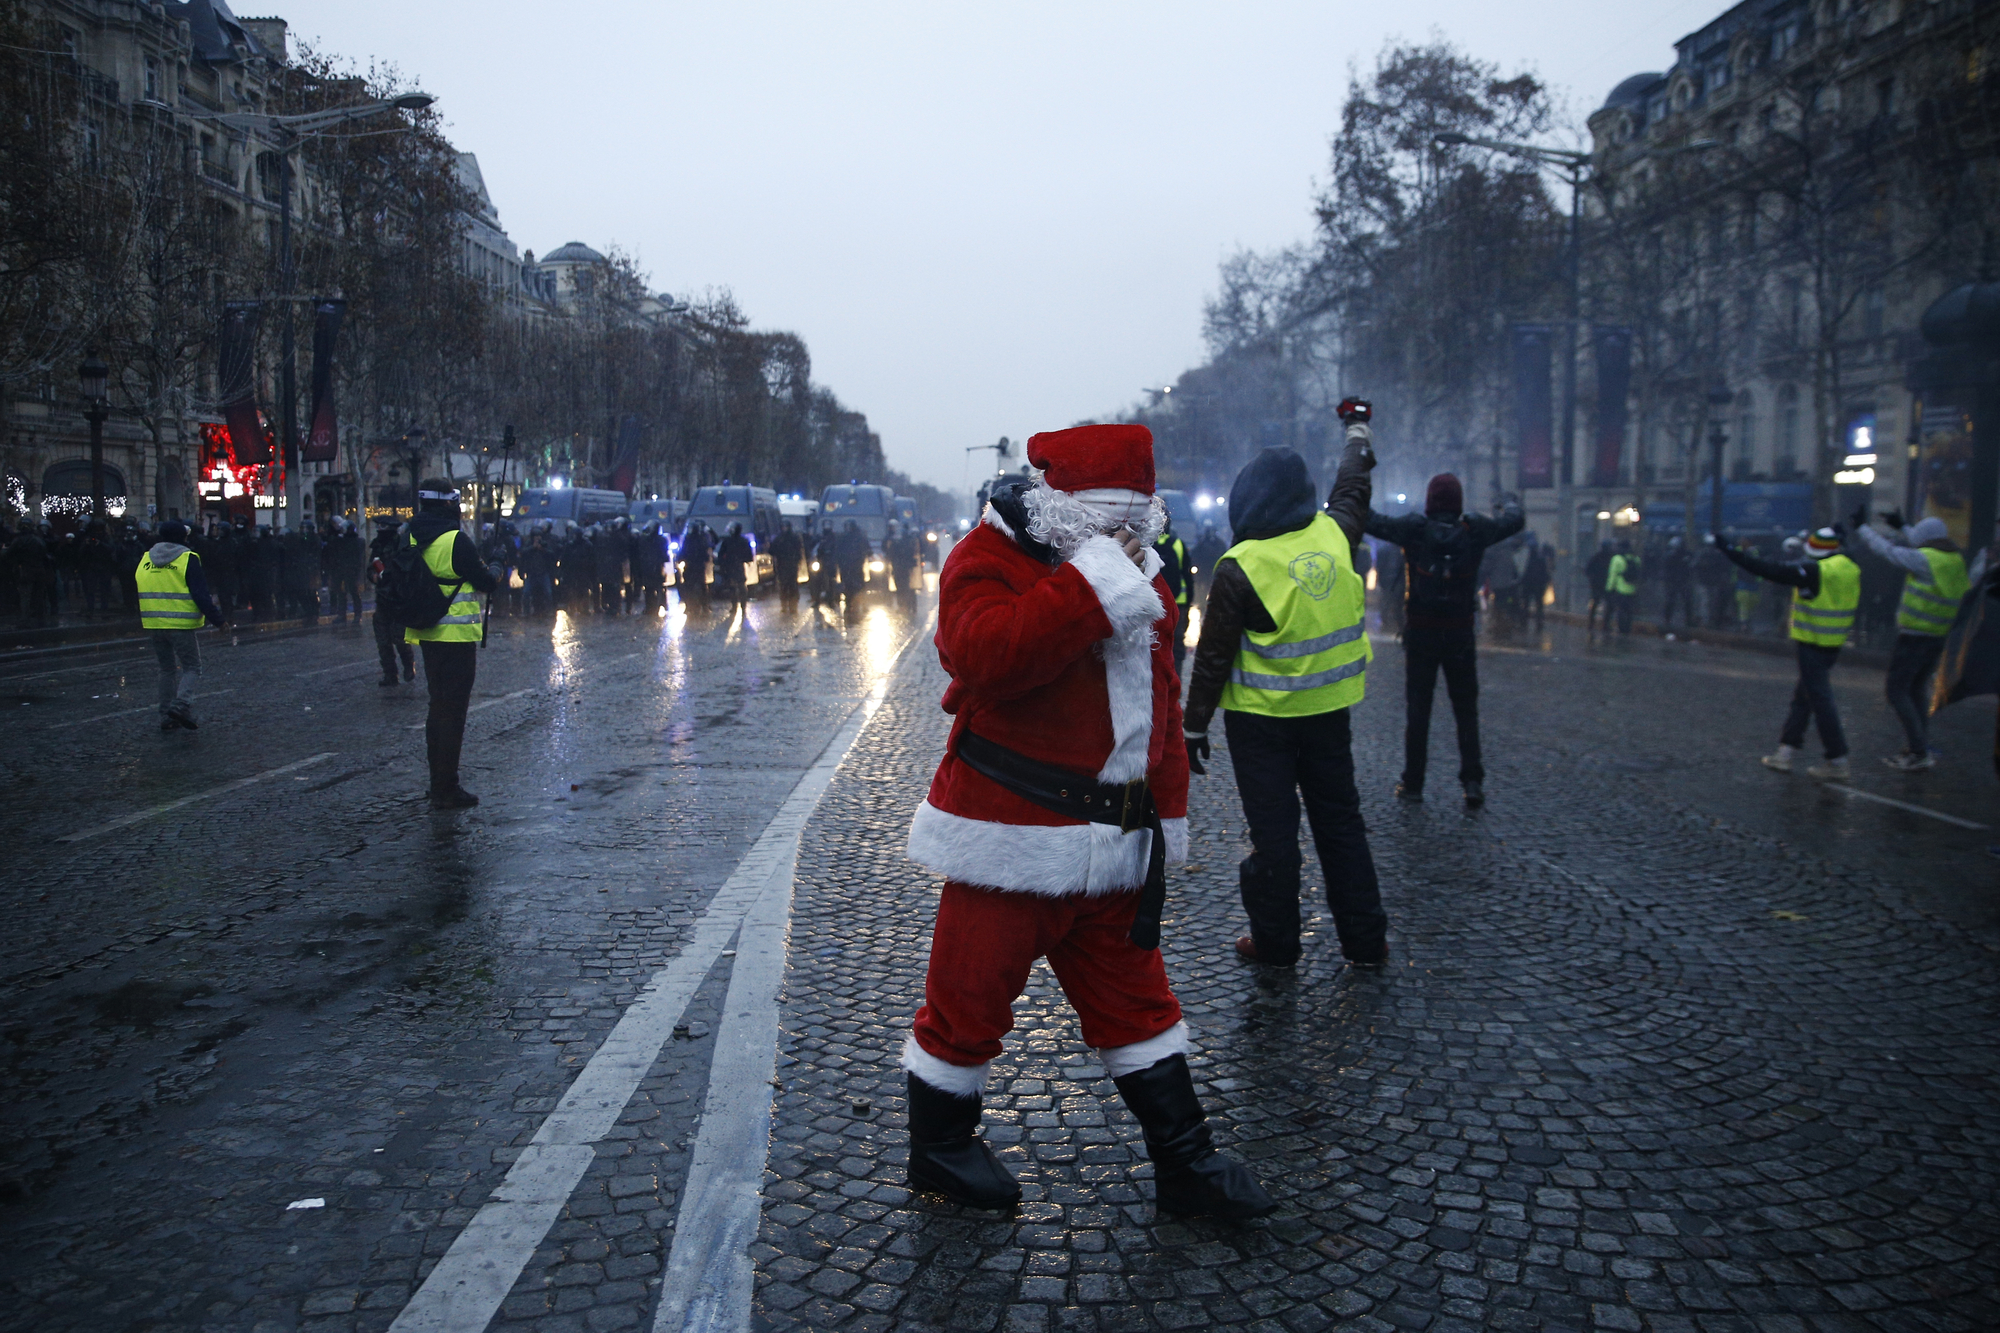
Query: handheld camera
[[1354, 409]]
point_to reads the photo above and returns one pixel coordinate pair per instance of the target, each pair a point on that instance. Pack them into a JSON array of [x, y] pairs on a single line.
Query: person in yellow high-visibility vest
[[1826, 591], [450, 647], [173, 604], [1621, 588], [1174, 568], [1284, 654], [1935, 581]]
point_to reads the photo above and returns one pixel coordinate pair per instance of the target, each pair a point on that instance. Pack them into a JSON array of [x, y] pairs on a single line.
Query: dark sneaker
[[409, 672], [1475, 795], [183, 716], [169, 723], [1405, 792], [452, 798], [387, 682]]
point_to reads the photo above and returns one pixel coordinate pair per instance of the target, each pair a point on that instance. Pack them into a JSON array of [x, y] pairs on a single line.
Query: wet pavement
[[1669, 1042]]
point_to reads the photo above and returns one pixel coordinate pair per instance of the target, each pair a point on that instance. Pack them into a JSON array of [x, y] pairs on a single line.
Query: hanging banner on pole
[[322, 429], [625, 463], [1611, 352], [238, 383], [1534, 408]]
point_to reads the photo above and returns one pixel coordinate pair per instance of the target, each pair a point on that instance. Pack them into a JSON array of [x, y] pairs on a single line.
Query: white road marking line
[[483, 1263], [127, 712], [418, 726], [123, 820], [1859, 794], [344, 666], [709, 1280]]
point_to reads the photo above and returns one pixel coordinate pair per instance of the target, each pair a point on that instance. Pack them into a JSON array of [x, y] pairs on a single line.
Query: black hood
[[1273, 494], [1007, 502]]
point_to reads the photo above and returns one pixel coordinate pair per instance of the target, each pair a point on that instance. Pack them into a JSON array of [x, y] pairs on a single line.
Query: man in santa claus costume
[[1062, 796]]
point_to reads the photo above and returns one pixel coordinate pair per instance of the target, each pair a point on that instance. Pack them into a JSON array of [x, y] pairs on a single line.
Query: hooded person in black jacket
[[1442, 553], [1279, 759]]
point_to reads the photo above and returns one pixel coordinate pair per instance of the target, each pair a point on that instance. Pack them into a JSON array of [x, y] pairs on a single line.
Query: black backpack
[[409, 593]]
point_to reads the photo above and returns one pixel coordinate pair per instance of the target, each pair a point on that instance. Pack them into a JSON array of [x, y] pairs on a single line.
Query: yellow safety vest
[[1825, 619], [1316, 659], [1186, 594], [461, 623], [1931, 604], [1615, 580], [164, 599]]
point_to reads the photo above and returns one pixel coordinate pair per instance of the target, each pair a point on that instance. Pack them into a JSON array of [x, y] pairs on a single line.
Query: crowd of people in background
[[618, 567]]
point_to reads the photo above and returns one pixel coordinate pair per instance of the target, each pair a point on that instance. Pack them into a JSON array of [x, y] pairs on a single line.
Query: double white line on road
[[708, 1282]]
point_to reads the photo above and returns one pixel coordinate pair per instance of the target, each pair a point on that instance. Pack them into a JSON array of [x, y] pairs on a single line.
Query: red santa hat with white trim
[[1108, 467]]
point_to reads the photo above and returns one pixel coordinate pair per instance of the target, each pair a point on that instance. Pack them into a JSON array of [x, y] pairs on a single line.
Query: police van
[[721, 507], [568, 506]]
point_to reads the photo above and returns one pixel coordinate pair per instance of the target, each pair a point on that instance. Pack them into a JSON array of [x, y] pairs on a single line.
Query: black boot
[[1189, 1175], [947, 1158]]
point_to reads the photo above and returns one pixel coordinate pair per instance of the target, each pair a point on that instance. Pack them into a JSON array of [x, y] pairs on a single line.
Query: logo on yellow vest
[[1315, 572]]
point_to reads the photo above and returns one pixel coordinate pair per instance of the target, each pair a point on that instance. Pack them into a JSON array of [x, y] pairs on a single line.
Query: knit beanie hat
[[1445, 495], [1823, 543]]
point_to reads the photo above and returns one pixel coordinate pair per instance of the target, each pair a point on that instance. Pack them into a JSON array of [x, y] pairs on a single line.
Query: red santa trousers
[[986, 940]]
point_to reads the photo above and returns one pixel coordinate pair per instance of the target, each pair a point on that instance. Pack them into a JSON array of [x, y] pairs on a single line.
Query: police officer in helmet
[[450, 647]]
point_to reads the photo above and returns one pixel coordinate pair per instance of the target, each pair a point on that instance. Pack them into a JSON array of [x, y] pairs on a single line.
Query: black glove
[[1197, 748], [1894, 518], [1859, 518], [1721, 542]]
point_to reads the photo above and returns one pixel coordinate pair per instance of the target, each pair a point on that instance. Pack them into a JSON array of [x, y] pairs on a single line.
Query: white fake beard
[[1064, 522]]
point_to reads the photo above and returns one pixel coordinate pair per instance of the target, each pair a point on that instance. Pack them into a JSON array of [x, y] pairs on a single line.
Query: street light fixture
[[95, 378], [288, 132]]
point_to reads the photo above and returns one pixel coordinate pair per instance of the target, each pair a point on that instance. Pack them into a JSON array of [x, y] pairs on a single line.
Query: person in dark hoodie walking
[[450, 647], [173, 604], [1441, 556], [1284, 652]]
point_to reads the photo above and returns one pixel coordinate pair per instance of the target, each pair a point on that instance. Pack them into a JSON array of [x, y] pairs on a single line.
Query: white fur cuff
[[958, 1080], [1122, 1060], [1177, 840], [1126, 594]]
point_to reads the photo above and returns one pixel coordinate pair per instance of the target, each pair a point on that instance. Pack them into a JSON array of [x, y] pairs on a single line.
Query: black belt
[[1128, 806]]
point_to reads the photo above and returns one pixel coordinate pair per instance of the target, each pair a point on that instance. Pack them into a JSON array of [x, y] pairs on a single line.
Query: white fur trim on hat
[[958, 1080], [1122, 1060], [1054, 861]]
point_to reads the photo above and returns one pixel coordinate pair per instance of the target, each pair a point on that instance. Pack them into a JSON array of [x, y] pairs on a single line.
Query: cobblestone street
[[1667, 1042]]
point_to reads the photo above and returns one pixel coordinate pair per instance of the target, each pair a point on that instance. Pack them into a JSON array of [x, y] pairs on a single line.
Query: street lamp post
[[1573, 164], [413, 443], [288, 132], [1719, 397], [95, 377]]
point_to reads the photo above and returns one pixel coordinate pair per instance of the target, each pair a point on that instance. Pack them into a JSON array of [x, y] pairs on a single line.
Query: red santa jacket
[[1072, 665]]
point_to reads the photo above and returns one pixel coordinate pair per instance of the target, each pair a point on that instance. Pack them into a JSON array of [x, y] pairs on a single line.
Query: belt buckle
[[1135, 803]]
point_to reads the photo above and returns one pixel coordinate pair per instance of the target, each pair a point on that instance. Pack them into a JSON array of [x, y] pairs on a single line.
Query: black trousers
[[449, 670], [1681, 595], [389, 646], [1911, 663], [1619, 604], [1425, 653], [1278, 760], [1813, 700]]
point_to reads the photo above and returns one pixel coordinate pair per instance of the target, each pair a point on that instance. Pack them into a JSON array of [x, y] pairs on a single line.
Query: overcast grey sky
[[984, 220]]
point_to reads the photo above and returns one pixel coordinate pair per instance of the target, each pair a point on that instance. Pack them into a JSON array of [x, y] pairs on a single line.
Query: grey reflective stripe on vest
[[472, 619], [183, 608], [1257, 680], [1304, 649]]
